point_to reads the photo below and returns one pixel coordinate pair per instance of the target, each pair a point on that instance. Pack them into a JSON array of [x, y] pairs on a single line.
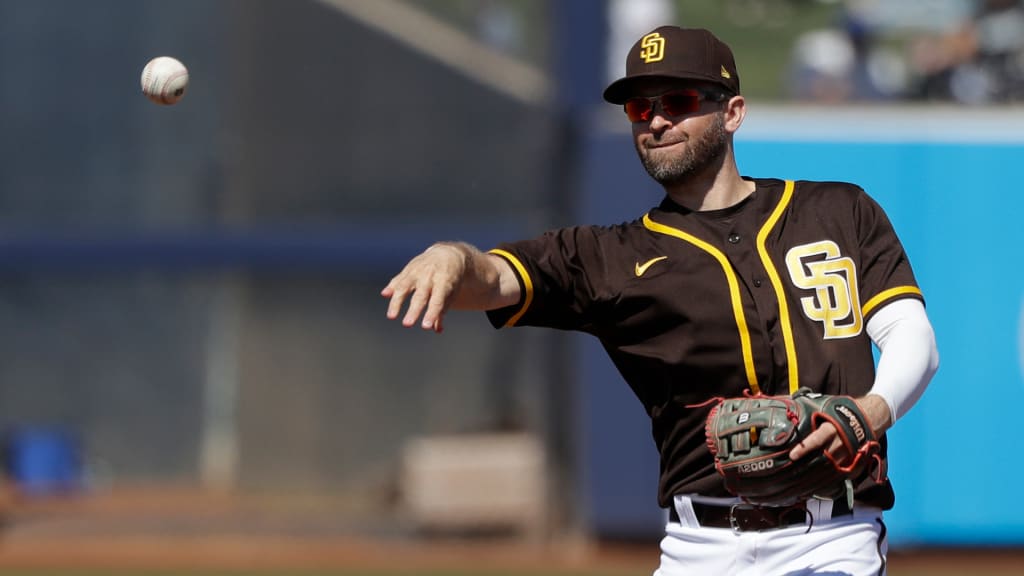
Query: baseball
[[164, 80]]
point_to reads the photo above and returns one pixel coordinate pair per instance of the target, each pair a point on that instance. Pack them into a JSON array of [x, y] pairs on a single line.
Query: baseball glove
[[751, 437]]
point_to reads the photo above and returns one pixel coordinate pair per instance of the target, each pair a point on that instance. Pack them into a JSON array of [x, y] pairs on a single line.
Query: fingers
[[428, 284], [417, 302], [423, 296], [824, 437], [396, 290], [813, 442]]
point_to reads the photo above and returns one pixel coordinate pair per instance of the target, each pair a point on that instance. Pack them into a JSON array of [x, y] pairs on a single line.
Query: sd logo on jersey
[[836, 303]]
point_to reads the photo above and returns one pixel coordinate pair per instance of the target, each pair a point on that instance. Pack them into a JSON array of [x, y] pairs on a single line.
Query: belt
[[747, 518]]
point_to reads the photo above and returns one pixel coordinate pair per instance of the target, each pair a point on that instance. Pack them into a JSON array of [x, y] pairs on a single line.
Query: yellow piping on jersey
[[773, 275], [734, 292], [527, 284], [887, 294]]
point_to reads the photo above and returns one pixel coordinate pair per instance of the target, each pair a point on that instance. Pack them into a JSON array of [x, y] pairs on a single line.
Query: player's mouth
[[657, 145]]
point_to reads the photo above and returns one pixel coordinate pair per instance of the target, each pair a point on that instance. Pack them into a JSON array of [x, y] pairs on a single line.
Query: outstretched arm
[[450, 275]]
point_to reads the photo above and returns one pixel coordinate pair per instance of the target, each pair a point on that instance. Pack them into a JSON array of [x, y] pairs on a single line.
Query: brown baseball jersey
[[769, 295]]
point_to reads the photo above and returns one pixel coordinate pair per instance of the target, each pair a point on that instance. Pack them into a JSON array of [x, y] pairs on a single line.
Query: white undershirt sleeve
[[909, 356]]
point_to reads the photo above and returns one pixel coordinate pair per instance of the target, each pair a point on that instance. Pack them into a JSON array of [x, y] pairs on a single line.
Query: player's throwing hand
[[450, 275]]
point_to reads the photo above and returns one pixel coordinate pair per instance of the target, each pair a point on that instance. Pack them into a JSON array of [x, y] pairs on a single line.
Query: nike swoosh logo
[[641, 268]]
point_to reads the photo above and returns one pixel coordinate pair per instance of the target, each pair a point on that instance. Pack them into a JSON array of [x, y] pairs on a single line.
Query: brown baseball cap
[[676, 53]]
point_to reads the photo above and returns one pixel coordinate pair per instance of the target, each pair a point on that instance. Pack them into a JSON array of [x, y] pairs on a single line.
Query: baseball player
[[732, 285]]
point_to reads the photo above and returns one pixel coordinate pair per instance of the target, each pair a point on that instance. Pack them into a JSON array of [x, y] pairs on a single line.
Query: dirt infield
[[957, 562], [184, 530]]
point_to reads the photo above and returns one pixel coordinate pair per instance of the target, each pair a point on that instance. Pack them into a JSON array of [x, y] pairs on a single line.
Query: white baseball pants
[[850, 545]]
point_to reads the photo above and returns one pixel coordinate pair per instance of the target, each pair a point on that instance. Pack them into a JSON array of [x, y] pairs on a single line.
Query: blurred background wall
[[190, 293]]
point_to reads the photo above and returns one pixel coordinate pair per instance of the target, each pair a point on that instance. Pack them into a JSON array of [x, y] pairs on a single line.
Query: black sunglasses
[[675, 103]]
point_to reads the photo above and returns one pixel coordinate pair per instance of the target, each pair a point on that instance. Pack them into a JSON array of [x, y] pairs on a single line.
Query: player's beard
[[697, 155]]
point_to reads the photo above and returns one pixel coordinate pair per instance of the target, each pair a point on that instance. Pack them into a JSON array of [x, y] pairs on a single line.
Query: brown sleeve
[[885, 273], [562, 277]]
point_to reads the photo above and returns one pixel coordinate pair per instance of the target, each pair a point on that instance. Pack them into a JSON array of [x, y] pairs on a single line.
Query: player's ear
[[735, 109]]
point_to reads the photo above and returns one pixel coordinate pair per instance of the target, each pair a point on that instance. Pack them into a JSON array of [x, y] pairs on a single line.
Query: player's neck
[[721, 189]]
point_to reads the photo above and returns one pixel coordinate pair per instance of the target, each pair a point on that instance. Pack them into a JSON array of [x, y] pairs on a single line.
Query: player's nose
[[659, 121]]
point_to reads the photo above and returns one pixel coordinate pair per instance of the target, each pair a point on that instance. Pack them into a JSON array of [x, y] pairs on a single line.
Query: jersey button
[[734, 238], [757, 282]]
